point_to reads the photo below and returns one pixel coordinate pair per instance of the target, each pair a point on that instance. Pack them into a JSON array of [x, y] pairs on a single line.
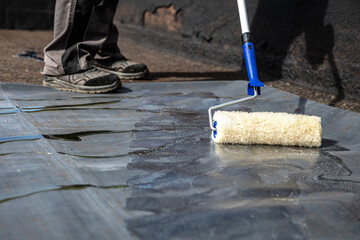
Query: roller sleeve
[[267, 128]]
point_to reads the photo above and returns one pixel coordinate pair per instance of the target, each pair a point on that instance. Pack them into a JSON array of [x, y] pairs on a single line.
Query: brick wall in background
[[27, 14], [313, 43]]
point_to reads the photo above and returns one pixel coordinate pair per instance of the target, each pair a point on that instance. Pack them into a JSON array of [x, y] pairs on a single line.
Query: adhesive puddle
[[71, 136], [76, 136]]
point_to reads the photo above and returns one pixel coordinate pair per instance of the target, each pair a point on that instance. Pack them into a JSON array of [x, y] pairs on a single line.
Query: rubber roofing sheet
[[140, 164]]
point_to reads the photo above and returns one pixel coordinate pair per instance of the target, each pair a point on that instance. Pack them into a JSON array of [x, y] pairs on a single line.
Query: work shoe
[[125, 69], [89, 81]]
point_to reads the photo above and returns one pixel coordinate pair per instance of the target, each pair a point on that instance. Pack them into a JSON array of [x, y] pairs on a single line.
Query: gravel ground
[[163, 65]]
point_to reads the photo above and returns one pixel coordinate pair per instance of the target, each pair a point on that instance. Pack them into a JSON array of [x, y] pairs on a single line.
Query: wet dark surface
[[139, 164]]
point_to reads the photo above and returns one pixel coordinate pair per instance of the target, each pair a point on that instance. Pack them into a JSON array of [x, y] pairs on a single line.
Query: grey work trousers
[[83, 31]]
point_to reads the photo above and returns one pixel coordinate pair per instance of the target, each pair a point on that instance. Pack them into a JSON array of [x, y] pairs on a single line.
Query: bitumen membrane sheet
[[139, 164]]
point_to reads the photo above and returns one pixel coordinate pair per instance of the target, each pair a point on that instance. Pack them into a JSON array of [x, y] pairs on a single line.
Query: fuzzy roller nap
[[267, 128]]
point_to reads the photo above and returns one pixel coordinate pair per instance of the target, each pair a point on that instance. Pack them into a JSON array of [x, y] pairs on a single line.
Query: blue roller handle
[[249, 55]]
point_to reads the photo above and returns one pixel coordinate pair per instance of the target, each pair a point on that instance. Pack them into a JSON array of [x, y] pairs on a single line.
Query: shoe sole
[[126, 76], [59, 84]]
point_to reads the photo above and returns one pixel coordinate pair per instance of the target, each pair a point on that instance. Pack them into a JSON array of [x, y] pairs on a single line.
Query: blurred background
[[313, 44]]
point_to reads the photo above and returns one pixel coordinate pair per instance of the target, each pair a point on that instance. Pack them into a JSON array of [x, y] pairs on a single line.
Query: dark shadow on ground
[[124, 90], [301, 106], [231, 75], [278, 23]]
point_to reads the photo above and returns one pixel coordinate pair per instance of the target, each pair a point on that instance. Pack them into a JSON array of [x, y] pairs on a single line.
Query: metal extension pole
[[244, 21]]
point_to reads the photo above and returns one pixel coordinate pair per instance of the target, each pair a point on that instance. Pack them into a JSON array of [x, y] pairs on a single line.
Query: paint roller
[[269, 128]]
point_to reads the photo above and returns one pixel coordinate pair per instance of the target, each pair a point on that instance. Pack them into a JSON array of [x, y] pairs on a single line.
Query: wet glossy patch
[[76, 136]]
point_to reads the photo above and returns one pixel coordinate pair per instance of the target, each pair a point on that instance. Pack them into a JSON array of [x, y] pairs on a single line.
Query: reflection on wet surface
[[245, 184]]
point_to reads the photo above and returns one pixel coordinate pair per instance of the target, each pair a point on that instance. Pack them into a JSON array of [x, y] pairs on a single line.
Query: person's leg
[[62, 55], [109, 58], [103, 17], [110, 50], [69, 57]]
